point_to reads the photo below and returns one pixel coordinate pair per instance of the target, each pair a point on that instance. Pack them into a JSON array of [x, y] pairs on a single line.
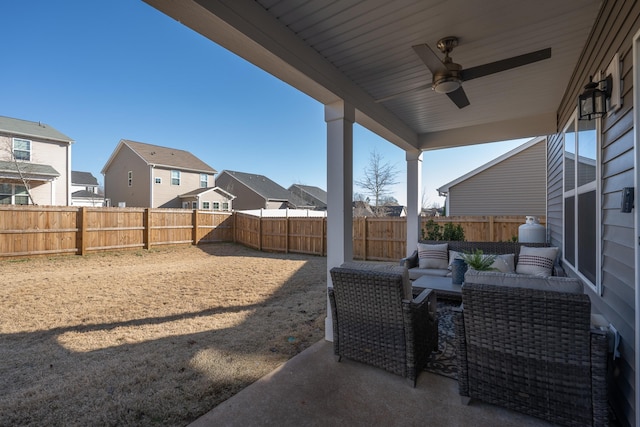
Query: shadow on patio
[[312, 389]]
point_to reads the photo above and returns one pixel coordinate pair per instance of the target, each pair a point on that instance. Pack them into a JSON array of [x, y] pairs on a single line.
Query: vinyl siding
[[246, 198], [116, 185], [515, 186], [165, 195], [613, 32]]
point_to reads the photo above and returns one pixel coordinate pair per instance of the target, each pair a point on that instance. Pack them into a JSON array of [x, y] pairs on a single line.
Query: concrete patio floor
[[312, 389]]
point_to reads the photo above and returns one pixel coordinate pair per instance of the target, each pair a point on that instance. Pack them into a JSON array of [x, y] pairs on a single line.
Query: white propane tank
[[531, 231]]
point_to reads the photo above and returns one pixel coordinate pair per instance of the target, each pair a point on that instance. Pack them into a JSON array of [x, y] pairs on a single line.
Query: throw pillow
[[504, 263], [433, 256], [536, 261]]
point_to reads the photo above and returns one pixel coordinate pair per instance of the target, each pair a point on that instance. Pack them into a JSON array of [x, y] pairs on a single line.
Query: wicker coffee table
[[443, 286]]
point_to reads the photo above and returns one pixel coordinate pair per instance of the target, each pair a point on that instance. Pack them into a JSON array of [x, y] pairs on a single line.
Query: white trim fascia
[[635, 66]]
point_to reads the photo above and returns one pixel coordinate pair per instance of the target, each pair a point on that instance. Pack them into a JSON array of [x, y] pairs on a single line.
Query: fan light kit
[[449, 76]]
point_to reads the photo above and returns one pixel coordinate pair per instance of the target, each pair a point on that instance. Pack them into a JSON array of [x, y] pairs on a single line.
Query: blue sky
[[104, 71]]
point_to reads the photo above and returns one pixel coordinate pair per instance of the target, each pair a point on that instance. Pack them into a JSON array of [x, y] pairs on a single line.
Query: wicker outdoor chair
[[374, 323], [531, 350]]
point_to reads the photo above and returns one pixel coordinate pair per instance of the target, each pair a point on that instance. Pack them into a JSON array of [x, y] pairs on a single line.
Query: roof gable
[[157, 156], [29, 129], [492, 163], [260, 184], [83, 178]]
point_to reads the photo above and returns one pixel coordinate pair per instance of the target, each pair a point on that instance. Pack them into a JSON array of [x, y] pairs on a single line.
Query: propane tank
[[531, 231]]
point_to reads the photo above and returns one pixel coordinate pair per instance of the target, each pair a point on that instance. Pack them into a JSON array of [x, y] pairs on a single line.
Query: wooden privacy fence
[[38, 230]]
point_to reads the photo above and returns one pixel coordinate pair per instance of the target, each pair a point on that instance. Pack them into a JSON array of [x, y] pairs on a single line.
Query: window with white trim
[[225, 206], [216, 206], [22, 149], [158, 180], [206, 205], [13, 194], [175, 177], [580, 200], [204, 180]]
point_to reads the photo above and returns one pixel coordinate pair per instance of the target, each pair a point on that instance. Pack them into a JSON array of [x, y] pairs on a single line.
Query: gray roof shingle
[[29, 129], [169, 157], [83, 178], [29, 169]]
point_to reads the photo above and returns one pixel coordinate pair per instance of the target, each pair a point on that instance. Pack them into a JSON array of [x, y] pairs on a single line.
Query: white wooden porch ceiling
[[360, 51]]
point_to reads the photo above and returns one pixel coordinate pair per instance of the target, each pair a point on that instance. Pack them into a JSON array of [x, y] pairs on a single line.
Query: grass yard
[[149, 338]]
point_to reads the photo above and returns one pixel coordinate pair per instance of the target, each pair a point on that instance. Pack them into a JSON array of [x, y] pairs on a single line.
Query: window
[[216, 206], [13, 194], [225, 206], [129, 178], [204, 180], [175, 177], [206, 205], [158, 180], [581, 204], [22, 149]]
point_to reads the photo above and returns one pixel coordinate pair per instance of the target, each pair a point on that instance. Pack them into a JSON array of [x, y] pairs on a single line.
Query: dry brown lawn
[[151, 337]]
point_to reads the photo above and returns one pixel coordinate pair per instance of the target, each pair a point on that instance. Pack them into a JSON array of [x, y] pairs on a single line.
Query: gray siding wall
[[246, 198], [116, 185], [614, 31], [515, 186]]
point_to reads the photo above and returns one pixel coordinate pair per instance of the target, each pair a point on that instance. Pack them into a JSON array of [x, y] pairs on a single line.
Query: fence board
[[38, 230]]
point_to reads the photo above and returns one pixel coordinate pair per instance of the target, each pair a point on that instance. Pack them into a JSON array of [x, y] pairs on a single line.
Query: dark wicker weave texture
[[373, 324], [532, 351]]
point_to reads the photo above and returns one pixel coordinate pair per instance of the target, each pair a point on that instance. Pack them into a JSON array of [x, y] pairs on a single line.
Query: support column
[[414, 202], [340, 118]]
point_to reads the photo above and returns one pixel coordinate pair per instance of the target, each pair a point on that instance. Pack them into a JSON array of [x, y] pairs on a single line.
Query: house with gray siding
[[312, 195], [254, 191], [35, 164], [85, 190], [512, 184], [385, 87], [145, 175]]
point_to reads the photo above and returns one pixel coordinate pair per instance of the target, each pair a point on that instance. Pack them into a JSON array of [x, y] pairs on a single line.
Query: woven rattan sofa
[[411, 262], [526, 347], [376, 321]]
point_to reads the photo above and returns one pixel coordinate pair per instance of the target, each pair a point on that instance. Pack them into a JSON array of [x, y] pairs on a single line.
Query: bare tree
[[379, 177], [22, 167]]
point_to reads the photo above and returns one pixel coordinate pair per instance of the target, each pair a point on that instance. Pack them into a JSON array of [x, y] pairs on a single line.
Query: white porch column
[[414, 194], [340, 118]]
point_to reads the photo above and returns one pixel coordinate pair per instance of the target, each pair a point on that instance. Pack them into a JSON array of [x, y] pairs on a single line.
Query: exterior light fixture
[[592, 103]]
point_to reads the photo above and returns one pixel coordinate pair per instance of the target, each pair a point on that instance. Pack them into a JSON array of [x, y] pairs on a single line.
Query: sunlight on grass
[[82, 342]]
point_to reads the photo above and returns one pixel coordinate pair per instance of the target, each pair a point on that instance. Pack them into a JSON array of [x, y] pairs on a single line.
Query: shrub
[[433, 231]]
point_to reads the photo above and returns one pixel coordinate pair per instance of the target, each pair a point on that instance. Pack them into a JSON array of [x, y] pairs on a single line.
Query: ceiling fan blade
[[429, 57], [459, 97], [505, 64]]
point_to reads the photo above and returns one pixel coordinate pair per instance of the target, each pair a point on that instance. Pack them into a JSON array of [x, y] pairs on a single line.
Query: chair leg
[[465, 400], [337, 357]]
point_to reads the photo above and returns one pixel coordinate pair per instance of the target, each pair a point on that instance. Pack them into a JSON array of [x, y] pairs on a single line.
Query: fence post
[[81, 240], [492, 232], [364, 239], [286, 233], [260, 231], [147, 229], [194, 221]]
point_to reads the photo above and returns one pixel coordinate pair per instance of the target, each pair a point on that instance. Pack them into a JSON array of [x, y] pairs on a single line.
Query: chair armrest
[[559, 271], [410, 261]]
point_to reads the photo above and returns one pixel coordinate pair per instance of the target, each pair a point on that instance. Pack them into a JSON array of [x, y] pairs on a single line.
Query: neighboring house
[[146, 175], [394, 211], [211, 198], [84, 190], [313, 196], [35, 158], [512, 184], [255, 191]]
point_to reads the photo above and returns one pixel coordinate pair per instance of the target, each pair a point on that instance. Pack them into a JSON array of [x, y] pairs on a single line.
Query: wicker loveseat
[[411, 262], [375, 323], [526, 347]]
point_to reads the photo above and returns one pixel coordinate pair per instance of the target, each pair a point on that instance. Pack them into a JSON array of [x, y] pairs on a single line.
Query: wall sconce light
[[592, 102]]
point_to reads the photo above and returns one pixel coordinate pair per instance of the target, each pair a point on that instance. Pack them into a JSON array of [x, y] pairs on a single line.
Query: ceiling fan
[[448, 76]]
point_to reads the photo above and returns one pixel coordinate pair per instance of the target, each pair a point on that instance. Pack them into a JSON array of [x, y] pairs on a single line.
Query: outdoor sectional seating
[[526, 343], [377, 321], [503, 248]]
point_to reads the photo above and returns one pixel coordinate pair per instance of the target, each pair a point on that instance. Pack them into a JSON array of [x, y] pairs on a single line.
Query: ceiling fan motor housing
[[445, 81]]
